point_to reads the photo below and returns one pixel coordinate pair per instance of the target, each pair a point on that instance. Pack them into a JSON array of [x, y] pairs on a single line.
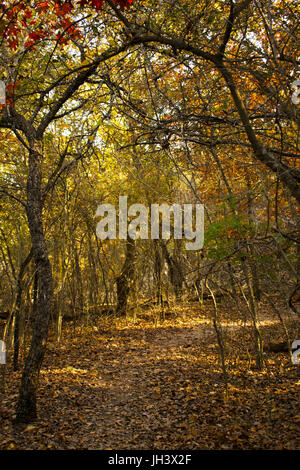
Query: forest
[[150, 225]]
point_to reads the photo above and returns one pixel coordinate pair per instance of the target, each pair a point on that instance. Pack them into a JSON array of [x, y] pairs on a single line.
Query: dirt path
[[139, 393], [136, 387]]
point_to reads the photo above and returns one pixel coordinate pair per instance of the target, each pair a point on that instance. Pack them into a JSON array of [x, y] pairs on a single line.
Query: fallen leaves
[[138, 387]]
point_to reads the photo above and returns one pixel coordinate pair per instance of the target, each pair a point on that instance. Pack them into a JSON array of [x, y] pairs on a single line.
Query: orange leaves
[[43, 6], [124, 3]]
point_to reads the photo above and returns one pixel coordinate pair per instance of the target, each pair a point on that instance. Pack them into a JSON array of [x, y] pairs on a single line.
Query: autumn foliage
[[139, 341], [30, 20]]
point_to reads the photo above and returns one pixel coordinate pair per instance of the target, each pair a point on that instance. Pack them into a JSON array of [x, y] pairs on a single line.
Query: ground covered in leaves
[[154, 383]]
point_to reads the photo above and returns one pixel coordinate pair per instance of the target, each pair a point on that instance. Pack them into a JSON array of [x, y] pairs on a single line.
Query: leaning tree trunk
[[26, 406]]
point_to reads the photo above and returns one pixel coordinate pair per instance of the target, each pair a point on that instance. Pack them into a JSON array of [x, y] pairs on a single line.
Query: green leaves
[[221, 237]]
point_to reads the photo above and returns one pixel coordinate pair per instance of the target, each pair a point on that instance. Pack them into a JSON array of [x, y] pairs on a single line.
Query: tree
[[228, 57], [30, 123], [183, 97]]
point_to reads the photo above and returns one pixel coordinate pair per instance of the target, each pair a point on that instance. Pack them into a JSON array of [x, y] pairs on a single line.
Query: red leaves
[[21, 16], [43, 6], [62, 9], [10, 88], [124, 3], [35, 36], [27, 14]]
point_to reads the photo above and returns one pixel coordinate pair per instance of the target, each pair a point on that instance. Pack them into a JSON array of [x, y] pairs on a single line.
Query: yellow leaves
[[30, 428], [63, 125], [11, 446], [85, 62], [76, 371]]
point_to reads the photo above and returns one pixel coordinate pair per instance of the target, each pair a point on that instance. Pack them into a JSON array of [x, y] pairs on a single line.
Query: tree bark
[[17, 310], [26, 406], [175, 272], [125, 278]]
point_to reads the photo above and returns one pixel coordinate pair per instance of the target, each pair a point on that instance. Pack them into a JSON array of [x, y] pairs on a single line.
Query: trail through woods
[[121, 384]]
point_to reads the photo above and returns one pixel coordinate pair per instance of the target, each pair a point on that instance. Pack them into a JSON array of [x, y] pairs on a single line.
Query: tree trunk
[[26, 406], [17, 311], [158, 266], [125, 278], [175, 272]]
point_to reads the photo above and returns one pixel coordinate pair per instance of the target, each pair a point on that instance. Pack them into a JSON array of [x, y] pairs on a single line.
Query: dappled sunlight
[[129, 376]]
